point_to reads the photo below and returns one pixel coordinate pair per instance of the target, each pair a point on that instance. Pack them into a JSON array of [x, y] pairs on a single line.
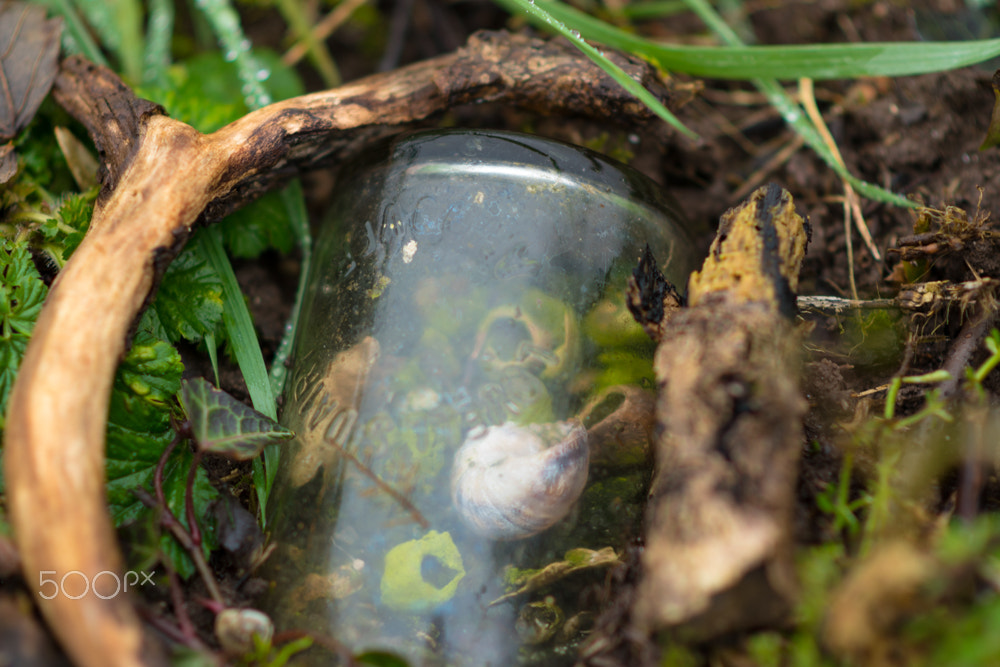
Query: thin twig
[[180, 533], [768, 167], [189, 498], [170, 630], [158, 473], [386, 487], [835, 304], [807, 96], [177, 600], [968, 340], [970, 485], [323, 29]]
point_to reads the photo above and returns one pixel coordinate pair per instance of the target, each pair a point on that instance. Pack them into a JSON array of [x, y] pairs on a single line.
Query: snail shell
[[508, 483]]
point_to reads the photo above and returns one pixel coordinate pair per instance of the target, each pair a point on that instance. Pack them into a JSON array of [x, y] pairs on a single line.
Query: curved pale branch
[[160, 177]]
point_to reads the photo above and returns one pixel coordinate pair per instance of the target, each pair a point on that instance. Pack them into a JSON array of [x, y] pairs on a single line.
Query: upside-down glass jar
[[471, 399]]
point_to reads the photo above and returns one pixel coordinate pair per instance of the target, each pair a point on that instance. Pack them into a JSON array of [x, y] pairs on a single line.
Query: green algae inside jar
[[472, 401]]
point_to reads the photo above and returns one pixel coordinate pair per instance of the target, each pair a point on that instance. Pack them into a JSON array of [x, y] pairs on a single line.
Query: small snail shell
[[508, 484]]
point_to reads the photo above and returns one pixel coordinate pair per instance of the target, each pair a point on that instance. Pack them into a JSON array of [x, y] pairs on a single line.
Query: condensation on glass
[[471, 398]]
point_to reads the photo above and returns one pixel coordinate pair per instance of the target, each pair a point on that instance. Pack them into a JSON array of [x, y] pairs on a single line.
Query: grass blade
[[225, 22], [295, 204], [78, 31], [159, 32], [533, 9], [239, 325], [814, 61]]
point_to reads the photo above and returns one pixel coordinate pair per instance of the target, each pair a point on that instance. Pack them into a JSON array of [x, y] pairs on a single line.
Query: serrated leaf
[[138, 431], [22, 291], [263, 224], [148, 378], [189, 301], [222, 425], [202, 496], [75, 214], [29, 53], [132, 457], [11, 353]]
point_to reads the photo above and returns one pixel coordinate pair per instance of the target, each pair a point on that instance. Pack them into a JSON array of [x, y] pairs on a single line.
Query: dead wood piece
[[160, 177], [718, 554]]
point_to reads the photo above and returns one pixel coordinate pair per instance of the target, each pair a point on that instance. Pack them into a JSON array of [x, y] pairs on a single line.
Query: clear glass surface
[[471, 398]]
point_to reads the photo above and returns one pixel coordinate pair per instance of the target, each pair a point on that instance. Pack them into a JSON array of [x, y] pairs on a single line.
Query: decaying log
[[718, 529], [159, 178]]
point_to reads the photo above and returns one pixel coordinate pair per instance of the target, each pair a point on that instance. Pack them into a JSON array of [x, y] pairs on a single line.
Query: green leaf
[[541, 16], [21, 295], [189, 301], [139, 430], [11, 353], [74, 215], [118, 23], [239, 325], [202, 496], [263, 224], [132, 455], [139, 421], [144, 387], [21, 291], [131, 463], [222, 425], [204, 91]]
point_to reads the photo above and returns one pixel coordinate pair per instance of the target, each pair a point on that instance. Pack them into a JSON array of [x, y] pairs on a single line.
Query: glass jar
[[471, 398]]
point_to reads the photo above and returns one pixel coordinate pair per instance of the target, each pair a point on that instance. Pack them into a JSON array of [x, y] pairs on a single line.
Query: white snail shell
[[508, 483]]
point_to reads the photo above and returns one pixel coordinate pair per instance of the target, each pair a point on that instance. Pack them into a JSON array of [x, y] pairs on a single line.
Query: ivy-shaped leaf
[[222, 425], [189, 302]]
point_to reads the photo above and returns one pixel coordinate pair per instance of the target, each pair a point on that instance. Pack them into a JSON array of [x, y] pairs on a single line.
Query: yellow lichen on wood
[[757, 254]]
